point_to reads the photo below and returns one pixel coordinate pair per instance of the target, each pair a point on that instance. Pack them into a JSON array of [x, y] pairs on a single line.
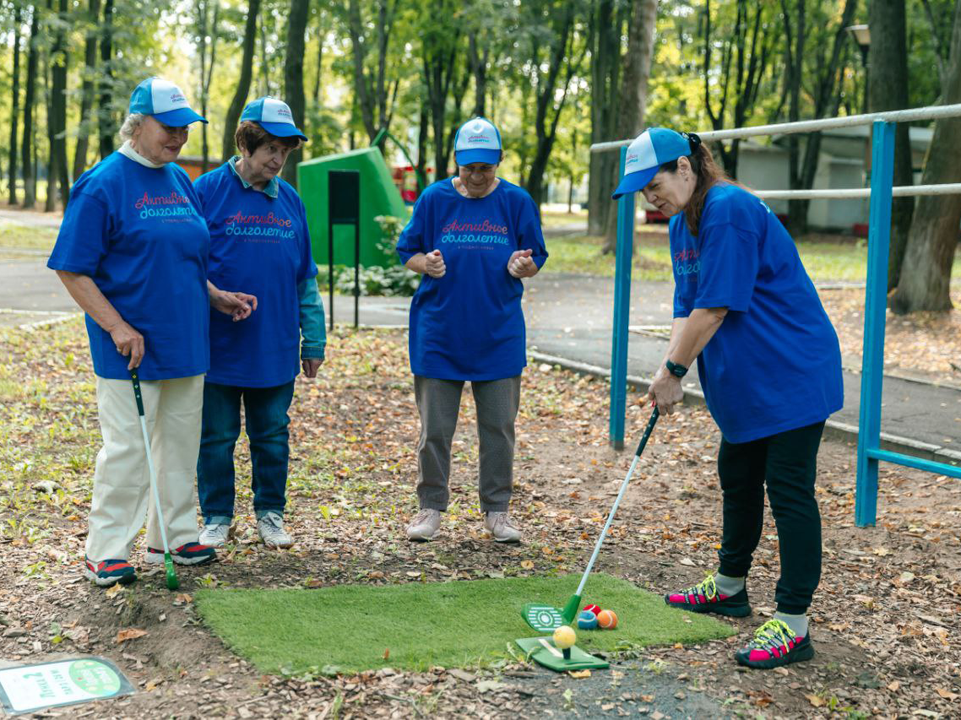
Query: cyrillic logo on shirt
[[258, 228], [687, 262], [483, 233], [164, 206]]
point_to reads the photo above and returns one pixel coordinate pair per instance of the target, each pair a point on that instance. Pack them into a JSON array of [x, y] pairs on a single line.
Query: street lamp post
[[861, 34]]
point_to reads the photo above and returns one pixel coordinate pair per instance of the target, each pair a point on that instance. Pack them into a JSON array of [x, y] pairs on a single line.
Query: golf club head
[[542, 618], [172, 581]]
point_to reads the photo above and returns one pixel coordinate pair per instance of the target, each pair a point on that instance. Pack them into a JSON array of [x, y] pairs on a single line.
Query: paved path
[[569, 317]]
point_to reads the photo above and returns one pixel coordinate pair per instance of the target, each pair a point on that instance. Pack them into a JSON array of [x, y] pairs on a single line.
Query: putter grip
[[647, 431], [135, 379]]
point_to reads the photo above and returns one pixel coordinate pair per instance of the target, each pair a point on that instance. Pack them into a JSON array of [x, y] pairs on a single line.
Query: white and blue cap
[[164, 101], [477, 141], [649, 150], [274, 116]]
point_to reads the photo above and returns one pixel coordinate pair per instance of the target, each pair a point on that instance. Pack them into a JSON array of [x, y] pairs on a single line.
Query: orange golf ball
[[607, 619]]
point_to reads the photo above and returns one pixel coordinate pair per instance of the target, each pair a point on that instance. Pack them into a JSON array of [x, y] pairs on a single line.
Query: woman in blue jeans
[[258, 239]]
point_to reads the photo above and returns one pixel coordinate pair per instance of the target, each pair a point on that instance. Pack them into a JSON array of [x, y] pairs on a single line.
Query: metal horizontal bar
[[933, 112], [840, 193], [914, 462]]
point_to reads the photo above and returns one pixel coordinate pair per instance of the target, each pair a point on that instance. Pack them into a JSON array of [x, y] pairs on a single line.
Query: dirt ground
[[925, 345], [885, 620]]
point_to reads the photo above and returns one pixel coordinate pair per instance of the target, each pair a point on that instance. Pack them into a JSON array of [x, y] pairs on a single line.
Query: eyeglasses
[[175, 131]]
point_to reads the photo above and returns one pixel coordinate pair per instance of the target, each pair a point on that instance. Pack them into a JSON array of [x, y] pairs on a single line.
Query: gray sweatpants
[[438, 402]]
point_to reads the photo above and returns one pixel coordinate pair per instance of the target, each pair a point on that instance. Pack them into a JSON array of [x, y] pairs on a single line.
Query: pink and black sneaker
[[774, 645], [191, 553], [705, 598]]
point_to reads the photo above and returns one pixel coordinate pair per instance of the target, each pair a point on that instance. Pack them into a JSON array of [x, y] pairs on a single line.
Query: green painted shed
[[378, 196]]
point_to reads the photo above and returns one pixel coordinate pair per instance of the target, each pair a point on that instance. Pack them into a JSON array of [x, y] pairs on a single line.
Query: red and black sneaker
[[109, 572], [774, 645], [705, 598], [191, 553]]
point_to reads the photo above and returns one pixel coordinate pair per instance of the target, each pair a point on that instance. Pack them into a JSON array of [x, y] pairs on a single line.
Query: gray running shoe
[[424, 526], [271, 529], [502, 527], [215, 534]]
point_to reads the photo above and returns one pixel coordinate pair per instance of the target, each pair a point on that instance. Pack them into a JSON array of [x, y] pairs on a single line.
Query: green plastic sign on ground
[[29, 688], [544, 652]]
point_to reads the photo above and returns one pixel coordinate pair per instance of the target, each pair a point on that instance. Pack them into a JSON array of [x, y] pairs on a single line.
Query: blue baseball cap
[[477, 141], [164, 101], [645, 155], [274, 116]]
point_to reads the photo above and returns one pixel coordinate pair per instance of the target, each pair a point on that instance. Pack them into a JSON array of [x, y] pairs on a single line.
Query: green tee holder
[[543, 651]]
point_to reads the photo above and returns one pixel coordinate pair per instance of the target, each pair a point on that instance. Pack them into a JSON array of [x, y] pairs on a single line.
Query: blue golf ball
[[587, 620]]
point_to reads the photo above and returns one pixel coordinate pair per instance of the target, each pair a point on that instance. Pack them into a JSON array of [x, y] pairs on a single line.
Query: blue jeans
[[265, 410]]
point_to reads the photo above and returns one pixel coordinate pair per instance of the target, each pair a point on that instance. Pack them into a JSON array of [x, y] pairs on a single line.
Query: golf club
[[172, 582], [545, 618]]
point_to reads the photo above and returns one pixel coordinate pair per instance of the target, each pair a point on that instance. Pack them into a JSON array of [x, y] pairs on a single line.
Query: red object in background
[[405, 179], [656, 216], [860, 230]]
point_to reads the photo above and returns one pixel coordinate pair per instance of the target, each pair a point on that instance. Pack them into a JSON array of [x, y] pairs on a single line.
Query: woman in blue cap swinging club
[[473, 237], [769, 363], [258, 240], [132, 251]]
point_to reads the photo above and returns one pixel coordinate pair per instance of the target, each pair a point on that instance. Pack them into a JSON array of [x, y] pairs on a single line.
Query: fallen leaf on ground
[[580, 674], [130, 634]]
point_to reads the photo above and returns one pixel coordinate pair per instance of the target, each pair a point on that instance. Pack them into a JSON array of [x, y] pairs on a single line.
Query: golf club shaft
[[153, 473], [617, 500]]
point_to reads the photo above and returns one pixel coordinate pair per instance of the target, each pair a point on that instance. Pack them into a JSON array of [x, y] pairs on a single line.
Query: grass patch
[[14, 235], [582, 254], [351, 628], [844, 260]]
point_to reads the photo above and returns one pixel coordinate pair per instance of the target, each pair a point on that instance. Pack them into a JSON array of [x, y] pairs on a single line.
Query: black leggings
[[788, 463]]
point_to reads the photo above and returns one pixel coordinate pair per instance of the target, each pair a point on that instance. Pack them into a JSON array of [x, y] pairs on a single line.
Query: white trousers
[[121, 482]]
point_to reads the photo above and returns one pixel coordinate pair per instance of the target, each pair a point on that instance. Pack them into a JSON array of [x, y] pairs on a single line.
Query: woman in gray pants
[[473, 237]]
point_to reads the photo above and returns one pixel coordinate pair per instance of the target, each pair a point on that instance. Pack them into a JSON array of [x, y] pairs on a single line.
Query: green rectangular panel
[[378, 196]]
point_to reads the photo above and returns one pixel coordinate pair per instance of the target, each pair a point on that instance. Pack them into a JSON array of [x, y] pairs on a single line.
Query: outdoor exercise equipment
[[545, 618], [880, 193], [172, 582]]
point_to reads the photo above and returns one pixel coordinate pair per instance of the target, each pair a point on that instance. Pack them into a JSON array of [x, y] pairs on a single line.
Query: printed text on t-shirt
[[687, 261]]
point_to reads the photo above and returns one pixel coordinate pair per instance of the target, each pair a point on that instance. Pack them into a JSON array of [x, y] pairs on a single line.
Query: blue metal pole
[[622, 309], [876, 296]]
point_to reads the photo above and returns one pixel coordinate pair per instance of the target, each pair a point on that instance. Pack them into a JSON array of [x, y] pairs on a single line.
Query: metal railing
[[881, 192]]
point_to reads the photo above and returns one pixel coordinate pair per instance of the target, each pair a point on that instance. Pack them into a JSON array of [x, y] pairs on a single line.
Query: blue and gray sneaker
[[191, 553], [110, 572]]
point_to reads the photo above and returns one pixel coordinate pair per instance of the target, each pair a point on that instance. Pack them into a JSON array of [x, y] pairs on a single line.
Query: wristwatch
[[675, 369]]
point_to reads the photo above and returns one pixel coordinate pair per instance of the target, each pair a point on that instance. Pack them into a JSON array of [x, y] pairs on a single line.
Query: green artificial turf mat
[[350, 628]]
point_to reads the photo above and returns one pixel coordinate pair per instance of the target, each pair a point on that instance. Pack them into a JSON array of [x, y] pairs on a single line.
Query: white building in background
[[843, 163]]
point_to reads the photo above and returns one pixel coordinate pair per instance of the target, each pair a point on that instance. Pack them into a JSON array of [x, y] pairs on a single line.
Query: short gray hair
[[130, 124]]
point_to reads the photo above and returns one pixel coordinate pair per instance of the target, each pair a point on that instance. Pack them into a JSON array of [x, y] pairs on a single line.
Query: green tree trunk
[[87, 90], [888, 90], [29, 101], [294, 77], [15, 104], [107, 122], [243, 86], [925, 280]]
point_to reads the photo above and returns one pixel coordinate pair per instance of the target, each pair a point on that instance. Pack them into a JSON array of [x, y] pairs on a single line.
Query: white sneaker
[[271, 529], [215, 534], [502, 527], [424, 526]]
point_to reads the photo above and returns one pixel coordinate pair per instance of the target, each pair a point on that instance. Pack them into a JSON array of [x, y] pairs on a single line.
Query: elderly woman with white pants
[[132, 251]]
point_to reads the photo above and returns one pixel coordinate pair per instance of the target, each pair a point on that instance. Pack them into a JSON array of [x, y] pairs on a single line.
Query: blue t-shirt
[[468, 324], [775, 363], [258, 245], [137, 232]]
